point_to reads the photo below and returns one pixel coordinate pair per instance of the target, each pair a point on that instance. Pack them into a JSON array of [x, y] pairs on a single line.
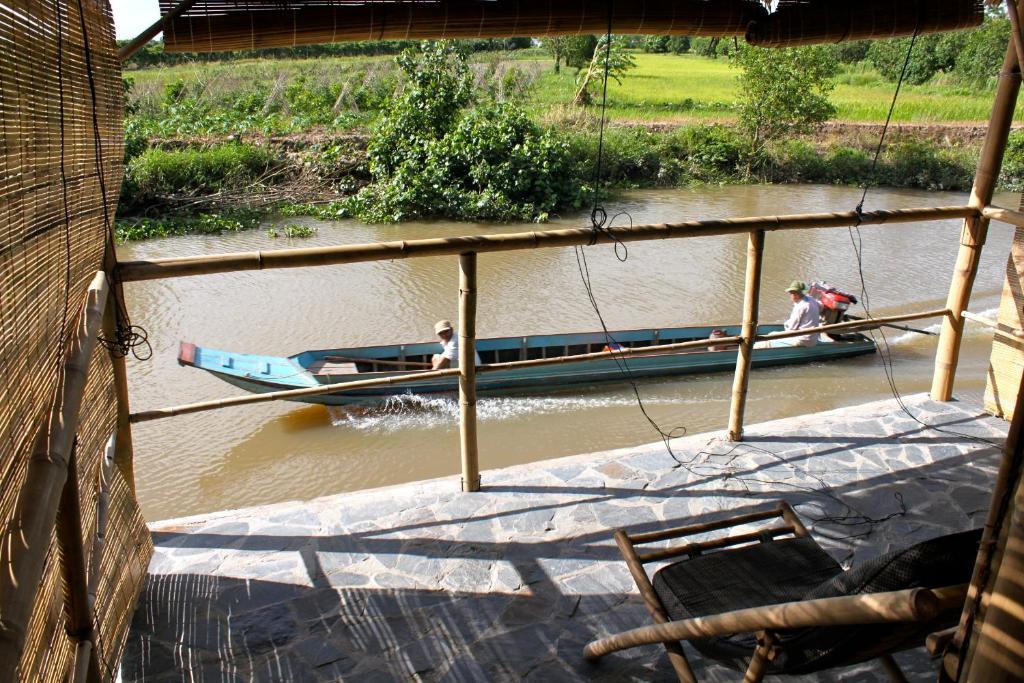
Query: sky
[[132, 16]]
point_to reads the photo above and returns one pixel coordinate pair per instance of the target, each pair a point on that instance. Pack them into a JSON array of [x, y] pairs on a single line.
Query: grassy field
[[692, 88], [664, 88]]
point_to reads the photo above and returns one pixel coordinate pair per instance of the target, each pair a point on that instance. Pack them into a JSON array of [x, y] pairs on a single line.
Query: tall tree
[[783, 91]]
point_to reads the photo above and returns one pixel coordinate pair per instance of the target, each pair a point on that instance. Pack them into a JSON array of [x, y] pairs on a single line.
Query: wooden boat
[[261, 374]]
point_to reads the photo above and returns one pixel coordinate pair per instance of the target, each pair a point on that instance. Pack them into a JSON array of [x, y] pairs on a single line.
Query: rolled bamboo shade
[[221, 25], [52, 241], [218, 25], [807, 22]]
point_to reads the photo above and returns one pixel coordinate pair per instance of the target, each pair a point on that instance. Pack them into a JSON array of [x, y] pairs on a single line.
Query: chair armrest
[[781, 509], [915, 604]]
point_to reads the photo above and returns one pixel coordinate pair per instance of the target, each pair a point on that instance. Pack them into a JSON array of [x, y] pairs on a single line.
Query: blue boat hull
[[262, 374]]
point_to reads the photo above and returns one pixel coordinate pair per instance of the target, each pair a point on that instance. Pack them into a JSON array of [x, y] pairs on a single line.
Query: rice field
[[663, 88]]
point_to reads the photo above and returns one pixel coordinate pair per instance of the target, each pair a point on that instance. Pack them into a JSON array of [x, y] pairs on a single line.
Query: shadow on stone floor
[[511, 583]]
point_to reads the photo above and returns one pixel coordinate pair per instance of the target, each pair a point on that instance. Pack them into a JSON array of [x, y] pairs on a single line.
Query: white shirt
[[450, 350], [806, 313]]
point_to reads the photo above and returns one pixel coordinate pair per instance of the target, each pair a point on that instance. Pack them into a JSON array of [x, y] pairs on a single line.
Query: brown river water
[[284, 451]]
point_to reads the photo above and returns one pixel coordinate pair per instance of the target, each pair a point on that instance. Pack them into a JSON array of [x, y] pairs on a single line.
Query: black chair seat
[[798, 569], [750, 576]]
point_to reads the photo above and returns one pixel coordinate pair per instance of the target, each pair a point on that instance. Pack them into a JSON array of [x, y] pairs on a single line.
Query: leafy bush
[[656, 44], [432, 155], [794, 161], [679, 44], [783, 91], [852, 51], [981, 55], [1012, 176], [888, 57], [156, 174], [915, 164]]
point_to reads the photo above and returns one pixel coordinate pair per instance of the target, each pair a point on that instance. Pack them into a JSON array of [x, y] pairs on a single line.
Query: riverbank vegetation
[[494, 132]]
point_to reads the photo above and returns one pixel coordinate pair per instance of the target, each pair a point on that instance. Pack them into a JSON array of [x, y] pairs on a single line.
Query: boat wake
[[412, 411], [912, 337]]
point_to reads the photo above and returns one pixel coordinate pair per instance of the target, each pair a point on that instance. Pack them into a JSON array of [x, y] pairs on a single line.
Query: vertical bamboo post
[[26, 538], [975, 229], [124, 455], [467, 372], [80, 621], [751, 300]]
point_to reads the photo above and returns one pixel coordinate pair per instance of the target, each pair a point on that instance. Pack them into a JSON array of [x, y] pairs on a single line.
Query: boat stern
[[187, 353]]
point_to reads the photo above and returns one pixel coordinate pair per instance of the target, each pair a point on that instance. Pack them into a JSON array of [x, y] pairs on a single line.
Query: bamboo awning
[[221, 25]]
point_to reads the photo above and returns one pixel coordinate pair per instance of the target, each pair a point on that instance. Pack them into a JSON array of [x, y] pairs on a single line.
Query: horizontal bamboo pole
[[724, 542], [994, 325], [704, 527], [1008, 216], [916, 604], [640, 351], [288, 394], [27, 536], [147, 415], [129, 271], [855, 324]]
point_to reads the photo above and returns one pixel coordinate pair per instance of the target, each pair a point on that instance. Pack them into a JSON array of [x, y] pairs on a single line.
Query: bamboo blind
[[1007, 360], [805, 22], [53, 236], [218, 25]]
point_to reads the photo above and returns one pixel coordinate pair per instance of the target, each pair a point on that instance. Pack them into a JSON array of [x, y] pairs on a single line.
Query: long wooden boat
[[260, 374]]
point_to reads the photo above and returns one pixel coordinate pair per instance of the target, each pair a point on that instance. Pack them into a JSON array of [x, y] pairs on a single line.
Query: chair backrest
[[935, 563]]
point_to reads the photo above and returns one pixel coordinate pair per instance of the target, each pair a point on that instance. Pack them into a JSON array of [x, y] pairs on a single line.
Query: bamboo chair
[[774, 592]]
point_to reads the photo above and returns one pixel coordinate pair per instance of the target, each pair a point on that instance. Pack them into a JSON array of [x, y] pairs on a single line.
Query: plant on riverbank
[[783, 92], [291, 230], [133, 229], [158, 178], [434, 155]]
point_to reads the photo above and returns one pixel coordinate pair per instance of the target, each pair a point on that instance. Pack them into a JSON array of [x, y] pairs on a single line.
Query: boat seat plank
[[325, 367]]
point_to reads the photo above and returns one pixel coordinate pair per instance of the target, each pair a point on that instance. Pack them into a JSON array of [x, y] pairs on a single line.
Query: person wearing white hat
[[806, 313], [449, 356]]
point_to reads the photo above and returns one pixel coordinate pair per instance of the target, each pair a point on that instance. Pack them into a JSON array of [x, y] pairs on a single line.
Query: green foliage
[[656, 44], [783, 91], [1012, 175], [679, 44], [432, 155], [291, 230], [853, 51], [158, 174], [579, 50], [706, 47], [981, 56], [133, 229], [930, 55], [609, 58]]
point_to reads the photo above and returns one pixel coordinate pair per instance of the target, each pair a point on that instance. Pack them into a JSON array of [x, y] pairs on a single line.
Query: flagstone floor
[[421, 582]]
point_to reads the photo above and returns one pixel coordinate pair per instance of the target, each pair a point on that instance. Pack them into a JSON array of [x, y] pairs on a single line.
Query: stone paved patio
[[420, 582]]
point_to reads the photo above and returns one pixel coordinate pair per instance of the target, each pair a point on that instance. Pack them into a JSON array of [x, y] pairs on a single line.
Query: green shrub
[[157, 174], [656, 44], [915, 164], [888, 57], [794, 161], [1012, 176], [853, 51], [679, 44], [432, 155], [981, 55]]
